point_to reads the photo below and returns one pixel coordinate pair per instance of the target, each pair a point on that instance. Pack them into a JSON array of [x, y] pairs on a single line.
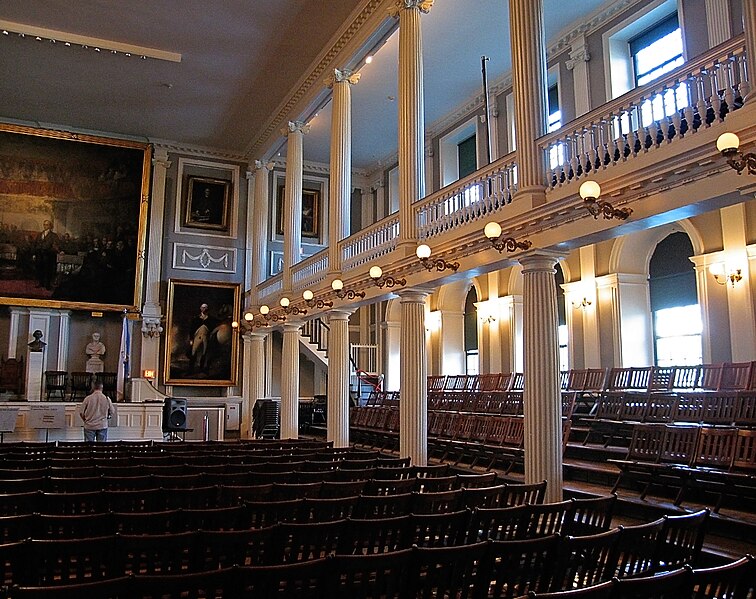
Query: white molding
[[204, 258]]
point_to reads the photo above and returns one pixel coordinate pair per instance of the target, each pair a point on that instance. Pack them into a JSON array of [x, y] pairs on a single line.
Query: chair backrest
[[446, 571], [524, 493], [636, 548], [590, 516], [735, 376], [586, 560], [715, 448], [681, 540], [667, 585], [745, 451], [375, 574], [515, 568], [727, 580], [439, 530], [112, 588], [679, 444], [365, 536], [646, 442]]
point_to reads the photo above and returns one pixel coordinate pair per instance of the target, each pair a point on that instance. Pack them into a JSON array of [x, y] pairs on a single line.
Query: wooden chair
[[143, 523], [390, 487], [498, 524], [267, 513], [15, 561], [599, 591], [439, 530], [383, 506], [12, 375], [70, 561], [436, 502], [219, 584], [295, 542], [590, 516], [545, 519], [636, 548], [219, 518], [524, 493], [515, 568], [218, 549], [667, 585], [484, 496], [109, 383], [435, 484], [47, 526], [163, 554], [16, 528], [729, 580], [587, 560], [56, 383], [470, 481], [318, 509], [680, 541], [364, 536], [81, 384], [369, 575], [448, 571], [296, 580], [112, 588]]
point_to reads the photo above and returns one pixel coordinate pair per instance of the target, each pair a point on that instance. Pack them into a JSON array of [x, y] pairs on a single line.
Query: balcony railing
[[311, 271], [690, 98], [478, 196], [370, 244]]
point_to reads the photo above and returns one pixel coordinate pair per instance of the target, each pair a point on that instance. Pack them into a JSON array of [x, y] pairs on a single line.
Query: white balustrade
[[689, 98], [371, 243], [311, 271]]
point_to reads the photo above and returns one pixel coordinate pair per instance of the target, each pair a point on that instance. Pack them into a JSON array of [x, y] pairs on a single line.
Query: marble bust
[[37, 344], [95, 350]]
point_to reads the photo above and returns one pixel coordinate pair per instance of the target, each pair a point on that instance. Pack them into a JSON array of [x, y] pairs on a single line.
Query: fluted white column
[[258, 240], [15, 325], [337, 429], [64, 328], [149, 358], [411, 115], [292, 216], [542, 402], [529, 87], [718, 21], [749, 26], [413, 379], [254, 378], [340, 184], [578, 64], [290, 381]]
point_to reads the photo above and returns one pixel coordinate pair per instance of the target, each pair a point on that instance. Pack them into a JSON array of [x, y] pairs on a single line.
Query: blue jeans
[[92, 436]]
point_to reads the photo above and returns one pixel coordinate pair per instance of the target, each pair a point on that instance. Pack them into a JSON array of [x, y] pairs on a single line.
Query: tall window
[[674, 303], [655, 52], [556, 153], [466, 158], [472, 364]]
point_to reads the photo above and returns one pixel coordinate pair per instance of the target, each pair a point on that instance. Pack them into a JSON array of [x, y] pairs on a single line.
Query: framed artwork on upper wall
[[310, 212], [73, 212], [201, 346], [207, 204]]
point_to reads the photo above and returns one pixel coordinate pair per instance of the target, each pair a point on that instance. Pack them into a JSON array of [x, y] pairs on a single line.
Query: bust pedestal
[[95, 365], [34, 367]]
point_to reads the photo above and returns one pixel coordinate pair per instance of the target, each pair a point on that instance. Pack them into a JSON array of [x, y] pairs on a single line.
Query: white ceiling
[[240, 61]]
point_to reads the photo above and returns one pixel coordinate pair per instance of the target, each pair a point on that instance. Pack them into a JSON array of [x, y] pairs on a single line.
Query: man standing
[[46, 251], [95, 411], [201, 327]]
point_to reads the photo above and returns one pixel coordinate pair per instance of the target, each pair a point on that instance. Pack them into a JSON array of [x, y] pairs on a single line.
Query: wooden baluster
[[653, 127], [729, 94], [744, 86], [716, 99]]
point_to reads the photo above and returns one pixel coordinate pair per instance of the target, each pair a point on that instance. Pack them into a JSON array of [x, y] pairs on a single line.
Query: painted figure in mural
[[45, 256], [201, 327]]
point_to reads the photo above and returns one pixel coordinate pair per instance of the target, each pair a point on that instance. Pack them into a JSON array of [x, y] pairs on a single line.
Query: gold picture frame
[[207, 204], [201, 346], [74, 212], [310, 212]]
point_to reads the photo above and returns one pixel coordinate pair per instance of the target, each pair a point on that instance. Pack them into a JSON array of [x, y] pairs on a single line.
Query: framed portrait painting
[[201, 346], [207, 204], [74, 211], [310, 212]]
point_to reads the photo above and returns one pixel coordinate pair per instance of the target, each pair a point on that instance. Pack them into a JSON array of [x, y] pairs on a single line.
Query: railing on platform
[[270, 287], [692, 97], [371, 243], [476, 197], [364, 356], [310, 271]]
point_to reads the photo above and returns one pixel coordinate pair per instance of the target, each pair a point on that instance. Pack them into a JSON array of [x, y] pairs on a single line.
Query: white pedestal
[[34, 366]]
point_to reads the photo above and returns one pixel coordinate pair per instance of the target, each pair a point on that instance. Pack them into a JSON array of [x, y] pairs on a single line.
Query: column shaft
[[338, 378], [259, 237], [529, 87], [254, 378], [411, 115], [542, 401], [413, 405], [292, 209], [749, 26], [290, 382], [340, 186]]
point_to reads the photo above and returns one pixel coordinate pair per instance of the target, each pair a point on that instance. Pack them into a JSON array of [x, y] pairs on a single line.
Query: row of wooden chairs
[[481, 569], [690, 457], [616, 414]]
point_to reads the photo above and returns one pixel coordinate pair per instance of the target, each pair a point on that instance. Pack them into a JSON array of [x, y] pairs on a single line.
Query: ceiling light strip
[[91, 42]]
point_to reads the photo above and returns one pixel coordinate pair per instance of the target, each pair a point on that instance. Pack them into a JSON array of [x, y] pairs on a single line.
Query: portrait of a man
[[207, 204], [202, 346]]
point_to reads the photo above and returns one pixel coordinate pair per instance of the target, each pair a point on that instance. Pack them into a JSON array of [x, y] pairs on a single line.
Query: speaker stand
[[176, 436]]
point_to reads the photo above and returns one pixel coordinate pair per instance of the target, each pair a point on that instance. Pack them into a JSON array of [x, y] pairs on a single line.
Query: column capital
[[421, 5], [578, 52], [263, 165], [413, 296], [341, 76], [258, 335], [292, 326], [340, 313], [540, 260], [295, 127], [160, 159]]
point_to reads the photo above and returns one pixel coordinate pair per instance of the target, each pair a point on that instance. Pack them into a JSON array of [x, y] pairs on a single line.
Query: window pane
[[678, 336], [683, 320], [664, 50], [471, 359]]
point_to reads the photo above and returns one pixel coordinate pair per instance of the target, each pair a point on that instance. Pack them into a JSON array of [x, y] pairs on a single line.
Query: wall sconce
[[728, 144], [582, 304], [289, 309], [268, 315], [423, 252], [722, 277], [309, 298], [590, 191], [249, 323], [338, 286], [376, 273], [492, 231], [433, 321], [486, 311]]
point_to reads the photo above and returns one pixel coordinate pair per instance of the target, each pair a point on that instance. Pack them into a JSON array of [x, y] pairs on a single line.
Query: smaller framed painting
[[207, 204], [310, 212], [202, 347]]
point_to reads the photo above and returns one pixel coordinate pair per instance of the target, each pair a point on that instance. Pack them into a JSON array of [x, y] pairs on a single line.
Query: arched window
[[472, 363], [674, 303]]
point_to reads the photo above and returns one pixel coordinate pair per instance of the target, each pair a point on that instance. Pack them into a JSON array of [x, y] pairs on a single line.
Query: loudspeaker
[[174, 414]]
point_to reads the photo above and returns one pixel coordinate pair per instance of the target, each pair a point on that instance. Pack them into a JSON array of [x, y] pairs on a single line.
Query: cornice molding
[[315, 75], [198, 151]]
